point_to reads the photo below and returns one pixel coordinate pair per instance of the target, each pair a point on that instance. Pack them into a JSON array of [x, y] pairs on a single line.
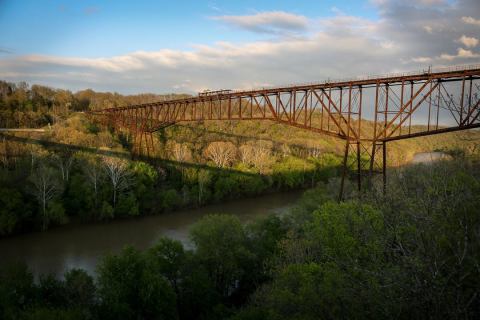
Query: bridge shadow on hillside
[[295, 149], [62, 147]]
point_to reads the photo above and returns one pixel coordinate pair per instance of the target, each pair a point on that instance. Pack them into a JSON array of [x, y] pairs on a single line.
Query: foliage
[[410, 254], [221, 244], [131, 290], [12, 211]]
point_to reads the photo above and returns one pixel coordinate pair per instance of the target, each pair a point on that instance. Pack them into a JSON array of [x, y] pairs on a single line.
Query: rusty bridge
[[366, 113]]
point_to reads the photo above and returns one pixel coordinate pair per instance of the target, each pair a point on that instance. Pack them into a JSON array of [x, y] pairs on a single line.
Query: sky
[[189, 46]]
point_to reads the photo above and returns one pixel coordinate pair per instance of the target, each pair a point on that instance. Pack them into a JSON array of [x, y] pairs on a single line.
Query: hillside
[[194, 163]]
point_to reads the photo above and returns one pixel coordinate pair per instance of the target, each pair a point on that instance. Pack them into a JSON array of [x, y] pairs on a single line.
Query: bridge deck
[[369, 111]]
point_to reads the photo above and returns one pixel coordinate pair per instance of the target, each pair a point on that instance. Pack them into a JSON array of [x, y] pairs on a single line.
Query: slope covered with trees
[[79, 171], [410, 254]]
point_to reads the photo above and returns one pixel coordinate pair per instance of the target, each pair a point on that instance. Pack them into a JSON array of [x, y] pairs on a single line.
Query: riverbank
[[81, 245]]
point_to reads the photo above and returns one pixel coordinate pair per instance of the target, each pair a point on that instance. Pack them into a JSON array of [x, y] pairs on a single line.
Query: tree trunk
[[44, 226]]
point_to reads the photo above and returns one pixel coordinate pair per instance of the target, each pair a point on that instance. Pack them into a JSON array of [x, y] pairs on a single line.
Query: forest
[[412, 252], [78, 171]]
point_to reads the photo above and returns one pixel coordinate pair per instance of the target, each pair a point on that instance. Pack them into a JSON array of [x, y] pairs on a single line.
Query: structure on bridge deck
[[366, 113]]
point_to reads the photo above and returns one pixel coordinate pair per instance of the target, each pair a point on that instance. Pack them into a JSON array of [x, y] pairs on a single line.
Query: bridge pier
[[363, 159]]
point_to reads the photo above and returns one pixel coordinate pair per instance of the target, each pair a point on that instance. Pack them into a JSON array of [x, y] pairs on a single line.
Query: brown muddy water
[[82, 245]]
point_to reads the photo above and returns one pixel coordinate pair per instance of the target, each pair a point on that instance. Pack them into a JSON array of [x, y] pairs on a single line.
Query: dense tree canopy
[[410, 254]]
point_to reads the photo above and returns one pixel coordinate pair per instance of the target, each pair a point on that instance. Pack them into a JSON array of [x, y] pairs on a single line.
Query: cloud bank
[[408, 35], [274, 22]]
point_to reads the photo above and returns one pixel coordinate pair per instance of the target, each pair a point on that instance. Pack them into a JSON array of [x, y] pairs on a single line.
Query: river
[[82, 245]]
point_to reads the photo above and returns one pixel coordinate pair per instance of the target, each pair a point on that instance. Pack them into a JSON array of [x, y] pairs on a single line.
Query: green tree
[[106, 211], [167, 257], [129, 289], [204, 178], [12, 210], [45, 186], [80, 290], [171, 199], [56, 213], [51, 292], [127, 206], [221, 246], [17, 290]]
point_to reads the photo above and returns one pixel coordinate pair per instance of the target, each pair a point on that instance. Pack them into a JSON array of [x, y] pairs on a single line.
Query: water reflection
[[81, 246]]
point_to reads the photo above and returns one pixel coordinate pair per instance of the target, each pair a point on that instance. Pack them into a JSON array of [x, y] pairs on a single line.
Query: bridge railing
[[431, 69]]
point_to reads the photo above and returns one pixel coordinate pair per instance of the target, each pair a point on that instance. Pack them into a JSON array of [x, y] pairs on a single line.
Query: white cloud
[[422, 59], [224, 65], [468, 42], [461, 53], [275, 22], [340, 46], [432, 2], [471, 20]]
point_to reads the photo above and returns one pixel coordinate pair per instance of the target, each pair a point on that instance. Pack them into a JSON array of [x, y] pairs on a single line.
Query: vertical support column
[[153, 144], [251, 106], [349, 117], [384, 167], [329, 107], [462, 100], [385, 121], [410, 109], [135, 134], [305, 107], [230, 108], [293, 106], [375, 124], [360, 112], [467, 120], [344, 173], [340, 107], [354, 147], [240, 107], [402, 92], [438, 106], [210, 105], [429, 106], [147, 144], [359, 167], [321, 108]]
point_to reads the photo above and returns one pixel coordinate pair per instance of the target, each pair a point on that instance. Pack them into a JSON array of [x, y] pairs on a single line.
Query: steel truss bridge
[[366, 113]]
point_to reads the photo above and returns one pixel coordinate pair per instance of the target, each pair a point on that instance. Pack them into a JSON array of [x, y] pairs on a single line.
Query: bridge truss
[[365, 113]]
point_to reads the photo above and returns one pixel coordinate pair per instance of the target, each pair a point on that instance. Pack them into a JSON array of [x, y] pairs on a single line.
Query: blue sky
[[188, 46], [106, 28]]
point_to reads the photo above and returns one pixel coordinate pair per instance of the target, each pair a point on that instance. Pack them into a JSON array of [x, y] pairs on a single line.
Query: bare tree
[[45, 187], [285, 150], [314, 150], [256, 153], [221, 153], [262, 153], [181, 152], [93, 172], [118, 175], [246, 153], [64, 162], [36, 152]]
